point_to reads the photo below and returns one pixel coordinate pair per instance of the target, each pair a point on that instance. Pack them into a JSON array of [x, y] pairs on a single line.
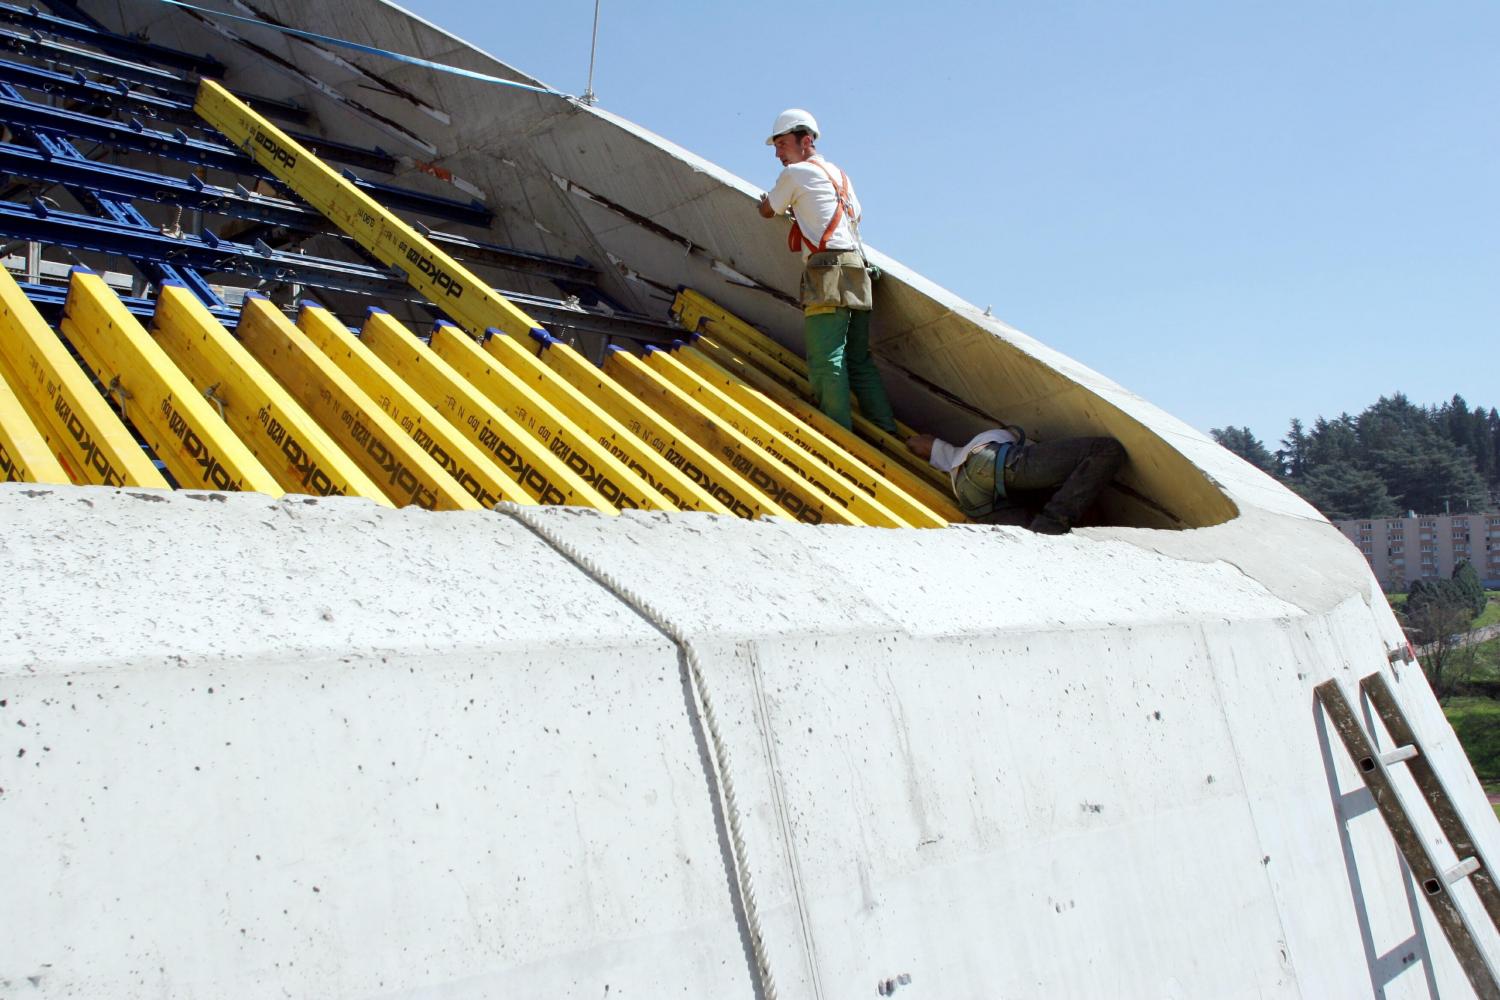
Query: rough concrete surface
[[331, 749]]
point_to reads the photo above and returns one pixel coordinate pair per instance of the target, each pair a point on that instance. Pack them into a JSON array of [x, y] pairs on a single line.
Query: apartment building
[[1427, 546]]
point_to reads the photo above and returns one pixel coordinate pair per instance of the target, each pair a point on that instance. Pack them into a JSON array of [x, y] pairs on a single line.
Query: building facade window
[[1438, 551]]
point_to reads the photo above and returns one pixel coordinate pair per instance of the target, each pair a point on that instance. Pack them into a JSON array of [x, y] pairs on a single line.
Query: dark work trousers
[[1062, 477]]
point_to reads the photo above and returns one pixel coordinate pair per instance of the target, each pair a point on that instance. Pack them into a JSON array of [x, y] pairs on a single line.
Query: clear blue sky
[[1244, 212]]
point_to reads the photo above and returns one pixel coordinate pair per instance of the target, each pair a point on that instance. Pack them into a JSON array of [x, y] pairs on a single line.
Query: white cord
[[534, 519]]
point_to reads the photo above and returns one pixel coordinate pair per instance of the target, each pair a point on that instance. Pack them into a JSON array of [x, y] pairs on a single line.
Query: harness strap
[[796, 239], [1000, 455]]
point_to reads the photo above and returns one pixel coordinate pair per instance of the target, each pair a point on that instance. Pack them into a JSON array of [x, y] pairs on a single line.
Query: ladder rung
[[1465, 868], [1399, 754]]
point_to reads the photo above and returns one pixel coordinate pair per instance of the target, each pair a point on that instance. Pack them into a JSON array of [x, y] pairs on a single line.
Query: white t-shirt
[[948, 458], [805, 189]]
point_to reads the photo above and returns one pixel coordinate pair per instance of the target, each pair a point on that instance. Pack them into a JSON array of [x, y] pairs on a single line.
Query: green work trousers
[[839, 362]]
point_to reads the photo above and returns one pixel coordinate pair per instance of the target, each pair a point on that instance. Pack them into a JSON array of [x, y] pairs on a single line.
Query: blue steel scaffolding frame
[[140, 80]]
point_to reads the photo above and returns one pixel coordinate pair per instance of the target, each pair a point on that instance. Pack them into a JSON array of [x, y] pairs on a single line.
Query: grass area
[[1477, 723], [1476, 720], [1486, 662], [1491, 615]]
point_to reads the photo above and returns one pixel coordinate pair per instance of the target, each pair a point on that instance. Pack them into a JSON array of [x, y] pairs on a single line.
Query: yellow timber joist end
[[88, 440], [446, 283], [798, 498], [468, 466], [707, 453], [550, 417], [24, 456], [751, 379], [802, 430], [523, 457], [354, 420], [603, 410], [708, 319], [273, 425], [179, 426], [692, 308], [827, 480]]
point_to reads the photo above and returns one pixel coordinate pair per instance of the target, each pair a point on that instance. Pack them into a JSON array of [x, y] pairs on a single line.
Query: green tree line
[[1394, 457]]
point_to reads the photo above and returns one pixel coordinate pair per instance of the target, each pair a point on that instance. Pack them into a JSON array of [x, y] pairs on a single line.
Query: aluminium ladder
[[1433, 879]]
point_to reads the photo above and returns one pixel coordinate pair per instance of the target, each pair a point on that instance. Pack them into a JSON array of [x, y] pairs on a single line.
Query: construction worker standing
[[836, 296]]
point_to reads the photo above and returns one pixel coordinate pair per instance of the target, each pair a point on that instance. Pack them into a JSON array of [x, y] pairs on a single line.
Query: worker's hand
[[920, 445], [765, 207]]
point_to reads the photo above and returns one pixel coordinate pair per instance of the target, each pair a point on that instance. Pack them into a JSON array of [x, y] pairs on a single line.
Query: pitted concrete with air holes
[[321, 746]]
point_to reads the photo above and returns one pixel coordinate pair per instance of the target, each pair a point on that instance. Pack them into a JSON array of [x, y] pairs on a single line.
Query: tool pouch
[[837, 279]]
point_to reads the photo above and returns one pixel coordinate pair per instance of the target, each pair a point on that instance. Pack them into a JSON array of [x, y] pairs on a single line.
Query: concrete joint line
[[1204, 646], [784, 819], [719, 776]]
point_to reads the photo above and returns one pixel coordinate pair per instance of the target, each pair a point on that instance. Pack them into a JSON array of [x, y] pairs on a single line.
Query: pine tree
[[1455, 420], [1245, 444], [1293, 452], [1343, 491], [1482, 447], [1466, 579], [1396, 455]]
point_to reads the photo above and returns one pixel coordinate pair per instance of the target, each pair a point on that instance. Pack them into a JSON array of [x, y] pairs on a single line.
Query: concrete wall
[[257, 748]]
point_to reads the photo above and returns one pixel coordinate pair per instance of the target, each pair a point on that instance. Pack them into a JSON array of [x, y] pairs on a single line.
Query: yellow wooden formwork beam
[[754, 348], [24, 455], [446, 283], [479, 477], [860, 504], [521, 455], [88, 440], [181, 428], [699, 313], [815, 443], [748, 379], [562, 384], [356, 423], [790, 492], [723, 337], [696, 473], [472, 303], [273, 425], [586, 456], [692, 308], [805, 431]]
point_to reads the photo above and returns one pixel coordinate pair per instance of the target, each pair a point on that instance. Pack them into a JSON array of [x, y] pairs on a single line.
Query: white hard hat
[[792, 118]]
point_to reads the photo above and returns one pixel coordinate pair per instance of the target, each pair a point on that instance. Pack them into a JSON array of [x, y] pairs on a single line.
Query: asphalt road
[[1467, 638]]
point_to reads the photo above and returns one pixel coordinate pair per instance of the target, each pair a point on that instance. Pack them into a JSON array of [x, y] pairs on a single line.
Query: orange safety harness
[[796, 240]]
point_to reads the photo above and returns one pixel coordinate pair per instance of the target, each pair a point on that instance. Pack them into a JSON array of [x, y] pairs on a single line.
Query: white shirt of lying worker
[[950, 458]]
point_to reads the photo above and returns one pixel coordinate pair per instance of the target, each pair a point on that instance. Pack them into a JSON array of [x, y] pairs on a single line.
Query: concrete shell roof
[[322, 747], [567, 179]]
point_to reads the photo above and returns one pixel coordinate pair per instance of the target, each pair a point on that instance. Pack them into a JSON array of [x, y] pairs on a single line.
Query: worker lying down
[[999, 478]]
